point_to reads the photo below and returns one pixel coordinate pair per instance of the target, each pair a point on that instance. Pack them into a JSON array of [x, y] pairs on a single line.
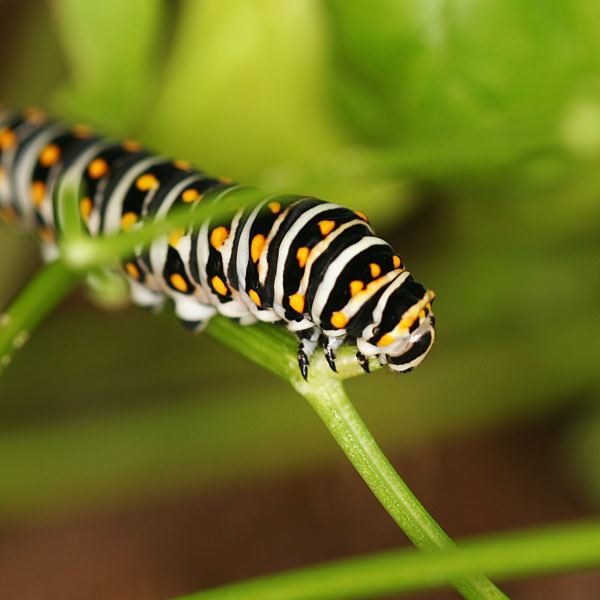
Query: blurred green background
[[468, 131]]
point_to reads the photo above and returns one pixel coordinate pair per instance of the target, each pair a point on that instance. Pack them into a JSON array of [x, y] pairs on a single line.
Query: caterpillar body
[[317, 268]]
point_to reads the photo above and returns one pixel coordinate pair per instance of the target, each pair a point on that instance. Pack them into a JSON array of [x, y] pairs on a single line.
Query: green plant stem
[[41, 295], [275, 350], [532, 552], [348, 429]]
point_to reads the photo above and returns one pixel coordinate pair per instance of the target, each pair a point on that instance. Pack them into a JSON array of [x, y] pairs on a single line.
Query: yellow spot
[[326, 227], [85, 208], [38, 192], [375, 270], [1, 174], [178, 282], [190, 195], [132, 270], [146, 182], [35, 116], [98, 168], [302, 256], [355, 287], [297, 302], [339, 319], [184, 165], [257, 246], [218, 237], [385, 340], [50, 154], [361, 215], [127, 220], [406, 322], [8, 139], [274, 207], [254, 297], [397, 261], [46, 235], [132, 146], [219, 286], [82, 131], [176, 235], [421, 315]]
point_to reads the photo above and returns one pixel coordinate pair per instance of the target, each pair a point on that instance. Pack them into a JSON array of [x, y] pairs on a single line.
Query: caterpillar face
[[415, 349], [403, 330]]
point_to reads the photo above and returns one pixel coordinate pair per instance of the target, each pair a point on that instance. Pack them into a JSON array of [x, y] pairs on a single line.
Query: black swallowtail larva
[[316, 267]]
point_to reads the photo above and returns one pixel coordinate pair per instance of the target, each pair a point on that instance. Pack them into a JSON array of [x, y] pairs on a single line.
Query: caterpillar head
[[403, 330]]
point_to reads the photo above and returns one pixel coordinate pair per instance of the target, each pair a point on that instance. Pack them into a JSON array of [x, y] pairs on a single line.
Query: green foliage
[[112, 50], [472, 126]]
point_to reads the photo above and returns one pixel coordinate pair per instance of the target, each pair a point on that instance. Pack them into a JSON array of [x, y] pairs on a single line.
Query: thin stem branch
[[82, 252], [42, 294], [523, 553], [348, 429]]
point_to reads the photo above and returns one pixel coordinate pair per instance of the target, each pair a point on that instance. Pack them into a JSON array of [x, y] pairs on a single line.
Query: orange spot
[[355, 287], [178, 282], [375, 270], [184, 165], [361, 215], [326, 227], [218, 237], [146, 182], [254, 297], [406, 323], [38, 192], [85, 208], [1, 174], [397, 261], [8, 139], [297, 302], [339, 320], [98, 168], [35, 116], [225, 180], [46, 235], [421, 314], [257, 246], [302, 256], [131, 146], [219, 286], [274, 207], [176, 235], [50, 154], [82, 131], [190, 195], [385, 340], [132, 270], [127, 220]]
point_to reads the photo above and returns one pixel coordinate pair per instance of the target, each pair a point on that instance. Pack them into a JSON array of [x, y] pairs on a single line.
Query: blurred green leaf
[[112, 51], [464, 75], [272, 56]]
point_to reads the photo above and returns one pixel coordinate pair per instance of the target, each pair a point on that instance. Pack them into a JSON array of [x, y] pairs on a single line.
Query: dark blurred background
[[141, 462]]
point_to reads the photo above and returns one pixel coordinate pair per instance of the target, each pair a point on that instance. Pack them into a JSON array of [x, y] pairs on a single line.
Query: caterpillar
[[315, 267]]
